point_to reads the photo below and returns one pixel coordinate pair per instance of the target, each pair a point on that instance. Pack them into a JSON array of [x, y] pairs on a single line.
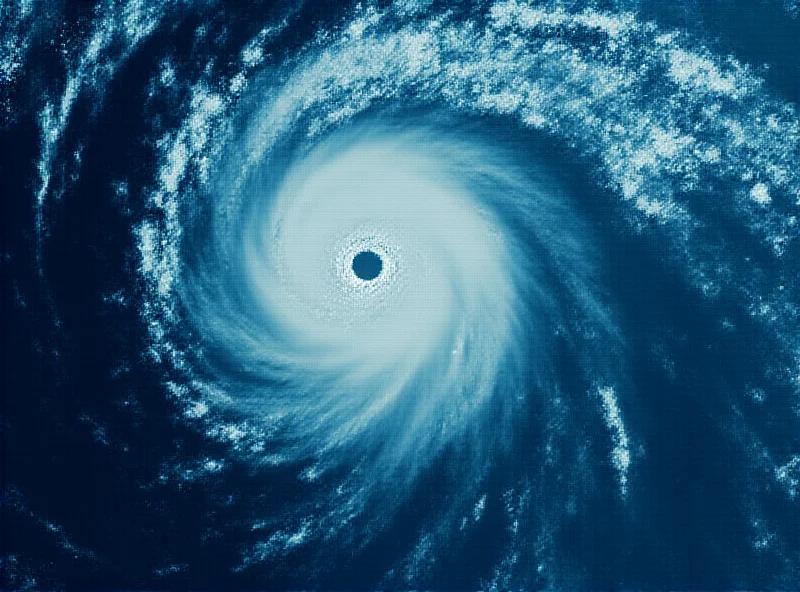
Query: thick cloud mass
[[577, 365]]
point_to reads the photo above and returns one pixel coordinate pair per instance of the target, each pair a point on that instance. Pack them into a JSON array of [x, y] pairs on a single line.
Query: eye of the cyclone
[[367, 265]]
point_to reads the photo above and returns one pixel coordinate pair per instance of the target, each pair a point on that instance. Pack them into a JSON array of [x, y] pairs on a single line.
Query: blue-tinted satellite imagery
[[400, 294]]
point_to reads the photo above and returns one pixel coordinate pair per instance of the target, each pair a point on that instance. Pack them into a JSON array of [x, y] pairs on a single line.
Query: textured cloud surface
[[577, 363]]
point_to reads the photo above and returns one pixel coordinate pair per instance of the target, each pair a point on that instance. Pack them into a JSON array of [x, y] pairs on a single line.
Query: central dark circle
[[367, 265]]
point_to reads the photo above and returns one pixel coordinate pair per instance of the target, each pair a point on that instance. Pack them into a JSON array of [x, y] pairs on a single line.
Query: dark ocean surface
[[576, 364]]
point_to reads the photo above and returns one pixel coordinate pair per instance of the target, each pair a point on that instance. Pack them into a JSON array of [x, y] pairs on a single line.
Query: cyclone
[[500, 295], [418, 327]]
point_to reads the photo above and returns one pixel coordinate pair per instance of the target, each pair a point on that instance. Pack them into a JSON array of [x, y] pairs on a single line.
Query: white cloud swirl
[[281, 171]]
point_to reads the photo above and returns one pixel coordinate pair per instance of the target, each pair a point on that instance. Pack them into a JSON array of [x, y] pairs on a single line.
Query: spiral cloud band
[[445, 296], [425, 338]]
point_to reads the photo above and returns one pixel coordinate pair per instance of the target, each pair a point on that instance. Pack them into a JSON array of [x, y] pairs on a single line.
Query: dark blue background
[[86, 430]]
